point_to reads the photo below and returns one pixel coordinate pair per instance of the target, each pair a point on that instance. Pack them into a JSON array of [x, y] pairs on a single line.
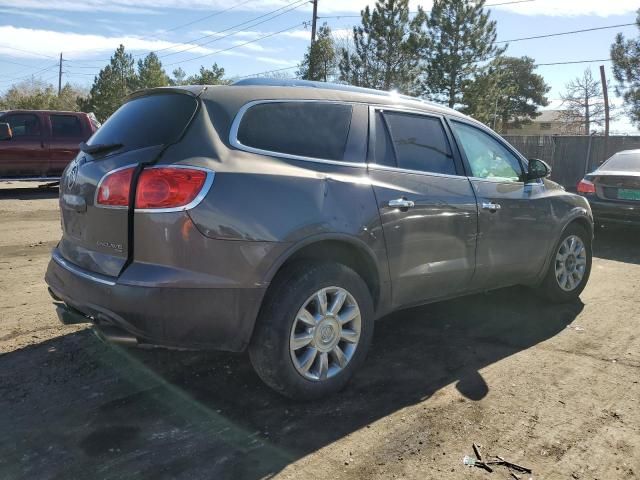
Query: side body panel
[[63, 149], [431, 247], [513, 241]]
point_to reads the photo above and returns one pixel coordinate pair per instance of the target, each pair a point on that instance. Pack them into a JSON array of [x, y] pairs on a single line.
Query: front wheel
[[313, 330], [570, 266]]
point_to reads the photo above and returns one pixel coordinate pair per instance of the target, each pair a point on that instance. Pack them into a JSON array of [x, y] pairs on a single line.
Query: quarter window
[[419, 142], [307, 129], [66, 126], [487, 157], [23, 124]]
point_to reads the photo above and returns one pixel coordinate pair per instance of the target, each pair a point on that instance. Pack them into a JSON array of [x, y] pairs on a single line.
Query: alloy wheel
[[325, 333], [571, 263]]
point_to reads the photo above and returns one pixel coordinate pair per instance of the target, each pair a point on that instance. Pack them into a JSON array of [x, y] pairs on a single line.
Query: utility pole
[[605, 92], [314, 22], [60, 75]]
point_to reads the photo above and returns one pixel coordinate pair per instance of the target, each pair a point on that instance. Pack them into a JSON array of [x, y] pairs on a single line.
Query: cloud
[[74, 45], [39, 16], [328, 7]]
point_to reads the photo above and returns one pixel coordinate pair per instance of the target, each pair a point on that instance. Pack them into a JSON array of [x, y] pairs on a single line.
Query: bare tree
[[584, 103]]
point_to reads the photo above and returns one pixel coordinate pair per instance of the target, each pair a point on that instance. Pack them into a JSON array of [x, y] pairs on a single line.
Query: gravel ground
[[554, 388]]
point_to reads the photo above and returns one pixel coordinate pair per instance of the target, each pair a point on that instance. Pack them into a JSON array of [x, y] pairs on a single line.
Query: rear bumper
[[614, 212], [200, 318]]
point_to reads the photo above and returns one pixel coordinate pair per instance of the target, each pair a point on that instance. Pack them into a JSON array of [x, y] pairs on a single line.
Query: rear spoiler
[[193, 90]]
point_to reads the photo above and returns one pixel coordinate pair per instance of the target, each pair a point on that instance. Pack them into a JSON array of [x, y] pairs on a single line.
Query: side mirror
[[538, 169], [5, 132]]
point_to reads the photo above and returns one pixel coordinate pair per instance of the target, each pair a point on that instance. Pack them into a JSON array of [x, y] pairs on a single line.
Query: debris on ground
[[495, 460]]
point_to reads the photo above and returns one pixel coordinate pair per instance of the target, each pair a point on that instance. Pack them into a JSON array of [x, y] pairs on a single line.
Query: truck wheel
[[313, 330], [570, 266]]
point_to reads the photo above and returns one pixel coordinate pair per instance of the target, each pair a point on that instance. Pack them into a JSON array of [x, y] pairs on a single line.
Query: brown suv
[[286, 219], [39, 144]]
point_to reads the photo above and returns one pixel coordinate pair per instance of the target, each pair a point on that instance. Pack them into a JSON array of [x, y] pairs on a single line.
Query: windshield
[[145, 121], [623, 162]]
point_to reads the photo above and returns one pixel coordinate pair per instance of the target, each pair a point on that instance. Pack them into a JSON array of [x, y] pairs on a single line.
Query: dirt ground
[[552, 388]]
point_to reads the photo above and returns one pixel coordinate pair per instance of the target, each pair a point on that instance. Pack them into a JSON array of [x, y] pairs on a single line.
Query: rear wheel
[[313, 330], [570, 266]]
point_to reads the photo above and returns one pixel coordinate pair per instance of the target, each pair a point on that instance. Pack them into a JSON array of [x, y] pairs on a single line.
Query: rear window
[[23, 124], [65, 126], [308, 129], [420, 143], [145, 121], [623, 162]]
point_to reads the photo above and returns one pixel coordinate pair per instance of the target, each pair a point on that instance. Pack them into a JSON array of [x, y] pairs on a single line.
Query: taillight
[[157, 188], [169, 187], [586, 186], [113, 190]]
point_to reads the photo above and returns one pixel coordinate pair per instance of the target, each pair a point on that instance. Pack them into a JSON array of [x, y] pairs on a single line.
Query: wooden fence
[[571, 157]]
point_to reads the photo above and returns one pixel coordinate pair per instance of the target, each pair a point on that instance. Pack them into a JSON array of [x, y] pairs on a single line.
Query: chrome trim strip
[[81, 273], [195, 202], [375, 166], [233, 134], [95, 195]]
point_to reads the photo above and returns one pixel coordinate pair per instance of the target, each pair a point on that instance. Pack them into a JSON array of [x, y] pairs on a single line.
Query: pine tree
[[507, 92], [320, 61], [387, 48], [208, 76], [111, 85], [462, 35], [626, 70], [179, 77], [150, 72]]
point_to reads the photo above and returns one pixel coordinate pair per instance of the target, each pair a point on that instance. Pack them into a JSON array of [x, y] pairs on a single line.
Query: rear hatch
[[96, 237], [618, 186]]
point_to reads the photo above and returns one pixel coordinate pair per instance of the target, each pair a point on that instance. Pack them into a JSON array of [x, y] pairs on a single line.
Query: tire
[[272, 351], [551, 287]]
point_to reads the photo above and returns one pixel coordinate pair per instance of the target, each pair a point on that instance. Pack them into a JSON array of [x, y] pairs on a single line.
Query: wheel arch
[[344, 249]]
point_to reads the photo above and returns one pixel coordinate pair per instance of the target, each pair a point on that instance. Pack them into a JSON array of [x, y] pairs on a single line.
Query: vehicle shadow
[[76, 408], [619, 243]]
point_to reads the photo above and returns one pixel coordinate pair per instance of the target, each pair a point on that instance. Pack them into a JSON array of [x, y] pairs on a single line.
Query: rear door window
[[23, 125], [156, 119], [419, 142], [66, 126], [307, 129]]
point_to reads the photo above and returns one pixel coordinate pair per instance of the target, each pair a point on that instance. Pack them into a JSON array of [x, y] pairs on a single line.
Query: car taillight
[[169, 187], [157, 188], [113, 190], [585, 186]]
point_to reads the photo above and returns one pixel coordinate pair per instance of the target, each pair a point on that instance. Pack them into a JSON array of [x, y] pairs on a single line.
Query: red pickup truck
[[38, 144]]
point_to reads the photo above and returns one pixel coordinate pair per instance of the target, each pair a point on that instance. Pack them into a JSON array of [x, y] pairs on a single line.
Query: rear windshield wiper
[[99, 147]]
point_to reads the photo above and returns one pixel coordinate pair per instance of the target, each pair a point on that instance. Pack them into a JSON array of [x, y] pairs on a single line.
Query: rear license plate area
[[628, 194]]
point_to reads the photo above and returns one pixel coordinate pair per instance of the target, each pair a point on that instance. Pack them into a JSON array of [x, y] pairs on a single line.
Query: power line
[[572, 32], [239, 45], [299, 3], [268, 71], [295, 4], [572, 62], [511, 2], [215, 14], [13, 80]]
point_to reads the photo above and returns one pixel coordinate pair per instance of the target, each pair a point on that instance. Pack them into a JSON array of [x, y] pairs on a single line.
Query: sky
[[253, 36]]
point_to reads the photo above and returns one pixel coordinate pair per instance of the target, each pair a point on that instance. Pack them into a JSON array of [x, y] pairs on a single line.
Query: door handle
[[401, 203], [492, 207]]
